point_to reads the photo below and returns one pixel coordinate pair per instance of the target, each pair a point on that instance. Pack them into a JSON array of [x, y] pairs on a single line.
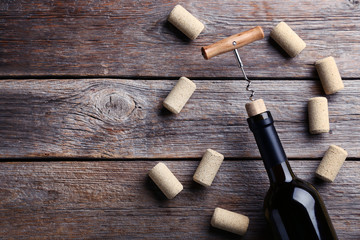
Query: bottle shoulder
[[291, 191]]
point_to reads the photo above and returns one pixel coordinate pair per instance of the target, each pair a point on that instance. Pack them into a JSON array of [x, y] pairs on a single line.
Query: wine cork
[[208, 167], [185, 22], [165, 180], [230, 221], [318, 115], [331, 163], [329, 75], [287, 39], [255, 107], [179, 95]]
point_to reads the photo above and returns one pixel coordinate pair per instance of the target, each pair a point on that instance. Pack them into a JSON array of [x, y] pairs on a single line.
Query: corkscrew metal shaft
[[241, 66]]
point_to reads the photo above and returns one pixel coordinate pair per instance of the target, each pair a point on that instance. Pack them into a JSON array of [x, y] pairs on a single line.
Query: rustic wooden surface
[[117, 118], [83, 81], [111, 199], [133, 38]]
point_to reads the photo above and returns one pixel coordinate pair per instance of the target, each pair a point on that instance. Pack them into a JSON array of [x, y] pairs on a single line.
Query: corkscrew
[[241, 66], [233, 43]]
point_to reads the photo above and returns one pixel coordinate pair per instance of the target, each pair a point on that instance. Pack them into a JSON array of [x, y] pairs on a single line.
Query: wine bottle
[[293, 207]]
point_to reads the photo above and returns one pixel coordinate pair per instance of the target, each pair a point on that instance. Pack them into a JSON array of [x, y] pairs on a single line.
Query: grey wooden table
[[81, 117]]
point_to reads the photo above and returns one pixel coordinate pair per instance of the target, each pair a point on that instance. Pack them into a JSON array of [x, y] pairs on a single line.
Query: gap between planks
[[195, 78]]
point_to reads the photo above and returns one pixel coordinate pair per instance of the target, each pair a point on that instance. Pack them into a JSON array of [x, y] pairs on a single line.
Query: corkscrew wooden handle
[[232, 42]]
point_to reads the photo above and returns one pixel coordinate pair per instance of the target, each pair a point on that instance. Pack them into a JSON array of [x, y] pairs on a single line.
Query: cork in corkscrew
[[255, 107]]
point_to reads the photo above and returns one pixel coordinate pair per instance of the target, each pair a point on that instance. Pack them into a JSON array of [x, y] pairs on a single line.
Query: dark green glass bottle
[[293, 207]]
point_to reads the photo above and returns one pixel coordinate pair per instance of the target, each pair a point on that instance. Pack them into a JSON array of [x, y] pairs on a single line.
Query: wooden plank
[[133, 38], [116, 118], [116, 199]]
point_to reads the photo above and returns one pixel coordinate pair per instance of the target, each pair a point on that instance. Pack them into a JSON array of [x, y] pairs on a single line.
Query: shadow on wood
[[279, 49], [154, 190], [171, 29]]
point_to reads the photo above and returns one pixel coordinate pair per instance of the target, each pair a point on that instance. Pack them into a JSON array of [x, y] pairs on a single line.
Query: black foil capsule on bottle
[[293, 207]]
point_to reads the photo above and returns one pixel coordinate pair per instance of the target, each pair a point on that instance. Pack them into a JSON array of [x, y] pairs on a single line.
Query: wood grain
[[118, 118], [133, 38], [97, 200]]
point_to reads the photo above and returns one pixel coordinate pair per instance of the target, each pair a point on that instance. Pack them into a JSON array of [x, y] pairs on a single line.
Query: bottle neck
[[280, 173], [270, 147]]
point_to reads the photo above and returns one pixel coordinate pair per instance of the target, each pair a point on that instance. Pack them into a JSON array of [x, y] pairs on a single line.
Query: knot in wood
[[113, 105]]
